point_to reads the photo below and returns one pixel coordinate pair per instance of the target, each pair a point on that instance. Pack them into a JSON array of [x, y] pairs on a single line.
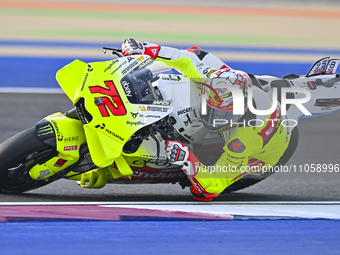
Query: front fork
[[66, 136]]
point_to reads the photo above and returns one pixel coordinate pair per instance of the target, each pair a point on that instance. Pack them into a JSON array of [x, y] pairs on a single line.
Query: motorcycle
[[125, 110]]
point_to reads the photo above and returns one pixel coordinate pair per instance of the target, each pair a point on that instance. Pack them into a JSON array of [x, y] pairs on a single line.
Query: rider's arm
[[185, 61]]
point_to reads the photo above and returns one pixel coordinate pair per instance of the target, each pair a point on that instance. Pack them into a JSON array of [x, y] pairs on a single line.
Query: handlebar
[[114, 51]]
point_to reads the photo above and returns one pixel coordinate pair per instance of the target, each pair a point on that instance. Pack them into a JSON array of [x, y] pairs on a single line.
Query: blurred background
[[260, 37], [272, 37]]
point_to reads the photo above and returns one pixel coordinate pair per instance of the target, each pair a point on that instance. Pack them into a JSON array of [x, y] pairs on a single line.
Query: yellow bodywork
[[69, 138], [107, 125]]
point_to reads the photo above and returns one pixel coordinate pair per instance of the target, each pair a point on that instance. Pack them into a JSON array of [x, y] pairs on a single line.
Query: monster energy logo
[[45, 130]]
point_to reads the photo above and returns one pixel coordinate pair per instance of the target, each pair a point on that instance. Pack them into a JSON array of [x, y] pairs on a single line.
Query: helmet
[[138, 87], [219, 95]]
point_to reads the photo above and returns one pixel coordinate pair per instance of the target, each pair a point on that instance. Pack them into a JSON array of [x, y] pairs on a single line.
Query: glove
[[132, 47], [179, 154]]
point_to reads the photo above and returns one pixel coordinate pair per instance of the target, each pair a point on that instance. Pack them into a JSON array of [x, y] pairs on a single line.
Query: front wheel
[[18, 155]]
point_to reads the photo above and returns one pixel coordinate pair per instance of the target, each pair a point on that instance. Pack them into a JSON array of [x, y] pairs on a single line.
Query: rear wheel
[[18, 155]]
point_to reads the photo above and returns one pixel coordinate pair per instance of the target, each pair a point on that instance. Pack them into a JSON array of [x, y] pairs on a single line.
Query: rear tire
[[16, 155]]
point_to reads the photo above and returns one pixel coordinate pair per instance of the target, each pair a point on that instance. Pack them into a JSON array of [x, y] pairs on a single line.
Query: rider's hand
[[179, 154], [131, 47]]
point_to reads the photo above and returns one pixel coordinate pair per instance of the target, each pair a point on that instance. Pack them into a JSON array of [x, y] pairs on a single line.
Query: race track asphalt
[[318, 144]]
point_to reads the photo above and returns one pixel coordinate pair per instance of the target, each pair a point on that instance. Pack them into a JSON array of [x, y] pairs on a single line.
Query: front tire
[[17, 156]]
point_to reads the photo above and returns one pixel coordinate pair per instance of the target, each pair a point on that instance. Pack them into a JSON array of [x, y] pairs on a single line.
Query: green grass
[[124, 15], [171, 37]]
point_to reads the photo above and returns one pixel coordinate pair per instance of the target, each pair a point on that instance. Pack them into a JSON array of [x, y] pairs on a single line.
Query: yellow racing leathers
[[255, 143], [247, 149]]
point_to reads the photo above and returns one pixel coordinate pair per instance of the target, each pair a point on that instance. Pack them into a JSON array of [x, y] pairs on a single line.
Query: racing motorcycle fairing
[[120, 96], [324, 66], [71, 76], [66, 136], [321, 82]]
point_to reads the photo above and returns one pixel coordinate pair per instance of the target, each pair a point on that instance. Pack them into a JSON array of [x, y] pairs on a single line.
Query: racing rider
[[248, 147]]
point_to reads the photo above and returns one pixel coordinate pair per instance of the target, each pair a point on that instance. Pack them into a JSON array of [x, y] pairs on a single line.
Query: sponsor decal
[[233, 162], [172, 78], [159, 175], [110, 65], [135, 123], [141, 108], [126, 87], [180, 112], [102, 126], [89, 68], [236, 146], [157, 109], [60, 162], [145, 63], [60, 136], [45, 130], [162, 102], [149, 116], [154, 51], [141, 58], [57, 116], [71, 139], [114, 134], [134, 115], [129, 67], [84, 82], [120, 66], [162, 161], [235, 158], [71, 148], [151, 156]]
